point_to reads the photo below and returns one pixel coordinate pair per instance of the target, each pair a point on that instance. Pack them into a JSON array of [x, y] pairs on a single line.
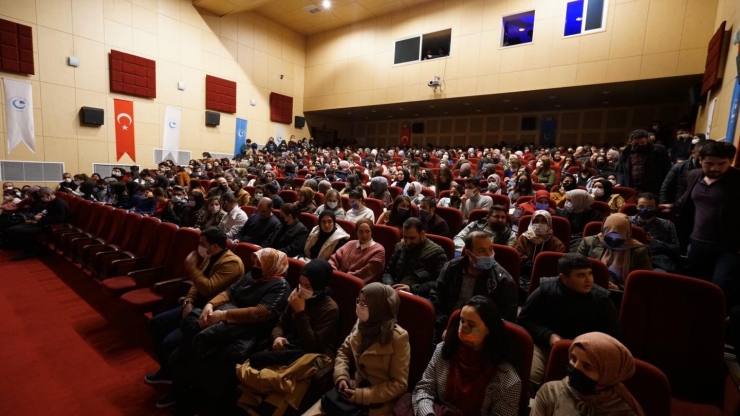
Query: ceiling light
[[400, 108], [552, 97], [431, 106], [506, 101], [521, 29], [326, 4], [605, 92], [515, 108], [557, 105], [467, 103], [372, 111]]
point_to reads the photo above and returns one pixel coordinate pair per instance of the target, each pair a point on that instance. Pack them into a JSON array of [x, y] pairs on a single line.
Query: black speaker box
[[213, 118], [92, 116], [299, 122], [417, 128], [695, 94]]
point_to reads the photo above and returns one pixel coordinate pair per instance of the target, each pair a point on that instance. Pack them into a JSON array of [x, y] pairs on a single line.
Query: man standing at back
[[643, 165], [565, 307]]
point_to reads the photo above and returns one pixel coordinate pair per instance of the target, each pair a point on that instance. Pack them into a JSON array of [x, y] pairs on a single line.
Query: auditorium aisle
[[67, 347]]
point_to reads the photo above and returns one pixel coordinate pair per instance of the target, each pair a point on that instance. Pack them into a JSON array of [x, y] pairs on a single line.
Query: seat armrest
[[125, 266], [146, 277], [103, 262], [172, 289]]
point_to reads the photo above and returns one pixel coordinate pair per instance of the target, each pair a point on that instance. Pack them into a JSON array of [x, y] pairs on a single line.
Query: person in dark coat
[[259, 226], [643, 165], [674, 184], [52, 210], [290, 236], [433, 223]]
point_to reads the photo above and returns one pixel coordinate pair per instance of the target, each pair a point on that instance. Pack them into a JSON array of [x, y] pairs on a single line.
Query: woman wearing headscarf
[[615, 247], [379, 190], [414, 193], [325, 238], [536, 239], [379, 351], [567, 183], [305, 200], [494, 184], [223, 333], [353, 183], [471, 370], [402, 183], [465, 170], [598, 366], [311, 183], [399, 212], [193, 212], [577, 210], [601, 189], [540, 202]]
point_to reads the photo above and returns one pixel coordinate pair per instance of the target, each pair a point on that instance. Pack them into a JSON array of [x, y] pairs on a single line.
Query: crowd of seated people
[[429, 222]]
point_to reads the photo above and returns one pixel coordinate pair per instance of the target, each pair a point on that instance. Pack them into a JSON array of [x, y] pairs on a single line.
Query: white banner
[[171, 140], [19, 114]]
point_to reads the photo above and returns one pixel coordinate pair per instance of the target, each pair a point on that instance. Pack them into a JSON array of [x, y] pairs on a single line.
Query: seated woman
[[414, 193], [362, 258], [585, 174], [513, 168], [212, 214], [399, 213], [470, 371], [332, 202], [602, 191], [540, 202], [223, 333], [494, 184], [379, 190], [426, 178], [358, 209], [259, 192], [545, 175], [617, 249], [402, 179], [535, 240], [325, 238], [242, 196], [598, 365], [379, 351], [194, 211], [577, 210], [305, 200], [521, 187], [453, 201], [353, 183], [567, 183]]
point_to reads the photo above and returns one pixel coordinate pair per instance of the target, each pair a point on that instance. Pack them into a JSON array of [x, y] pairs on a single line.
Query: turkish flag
[[405, 139], [124, 112]]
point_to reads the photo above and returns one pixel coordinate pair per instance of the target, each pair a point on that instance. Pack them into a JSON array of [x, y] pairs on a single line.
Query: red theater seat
[[546, 265]]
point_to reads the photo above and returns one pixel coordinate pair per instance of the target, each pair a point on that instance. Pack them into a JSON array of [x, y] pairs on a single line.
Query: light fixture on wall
[[326, 4], [73, 61], [253, 102], [181, 86]]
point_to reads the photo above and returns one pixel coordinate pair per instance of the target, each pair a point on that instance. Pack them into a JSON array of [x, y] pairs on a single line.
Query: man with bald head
[[259, 226], [52, 210]]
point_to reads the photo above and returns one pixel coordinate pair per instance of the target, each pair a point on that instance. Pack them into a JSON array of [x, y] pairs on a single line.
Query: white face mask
[[613, 181], [177, 198], [540, 229], [214, 210], [305, 293], [68, 180], [363, 314], [203, 252], [597, 192], [8, 197], [539, 163], [694, 141], [8, 188], [258, 196], [470, 193], [332, 204]]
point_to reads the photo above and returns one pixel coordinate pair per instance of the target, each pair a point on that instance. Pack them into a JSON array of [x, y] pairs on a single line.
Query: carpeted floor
[[67, 347]]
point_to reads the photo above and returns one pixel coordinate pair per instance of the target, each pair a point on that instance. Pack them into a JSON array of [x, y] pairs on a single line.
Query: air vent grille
[[312, 8]]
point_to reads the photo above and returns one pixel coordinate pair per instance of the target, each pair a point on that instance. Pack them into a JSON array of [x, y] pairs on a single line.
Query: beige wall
[[187, 44], [728, 10], [352, 66], [594, 125]]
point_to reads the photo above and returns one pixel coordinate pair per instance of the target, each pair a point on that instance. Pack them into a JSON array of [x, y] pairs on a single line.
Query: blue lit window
[[518, 29], [584, 16]]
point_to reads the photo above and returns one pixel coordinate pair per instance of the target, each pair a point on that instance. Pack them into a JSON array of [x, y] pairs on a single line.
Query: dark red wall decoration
[[133, 75], [220, 94], [714, 58], [281, 108], [16, 47]]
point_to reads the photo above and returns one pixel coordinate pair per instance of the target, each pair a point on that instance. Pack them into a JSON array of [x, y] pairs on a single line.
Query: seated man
[[234, 219], [50, 210], [662, 235], [416, 261], [565, 307], [433, 223], [290, 236], [473, 199], [495, 225], [216, 273], [259, 226], [271, 191], [475, 273]]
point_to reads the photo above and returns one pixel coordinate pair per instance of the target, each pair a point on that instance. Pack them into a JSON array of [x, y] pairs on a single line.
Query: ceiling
[[290, 13], [673, 90]]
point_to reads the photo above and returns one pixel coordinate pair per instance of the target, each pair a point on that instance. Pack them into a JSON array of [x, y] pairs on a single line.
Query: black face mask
[[570, 186], [639, 148], [256, 273], [580, 382], [454, 198], [646, 214]]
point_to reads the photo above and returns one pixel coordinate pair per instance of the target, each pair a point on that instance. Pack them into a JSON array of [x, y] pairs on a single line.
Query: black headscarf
[[323, 236], [162, 182], [406, 176], [318, 272], [607, 191]]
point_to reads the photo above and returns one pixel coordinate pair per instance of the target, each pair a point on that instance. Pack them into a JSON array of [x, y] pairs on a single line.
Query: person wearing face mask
[[494, 184], [399, 212], [49, 210], [325, 239], [175, 207], [674, 184], [453, 200], [433, 223], [521, 187], [643, 165], [379, 351], [362, 258], [290, 236], [143, 201], [565, 307], [541, 202], [577, 210], [219, 187], [535, 240], [682, 146], [495, 225], [332, 202], [472, 199], [219, 269], [615, 247], [601, 189], [545, 175], [306, 200], [67, 184], [598, 366], [259, 226], [193, 210], [476, 272], [259, 193], [357, 208], [413, 191], [416, 261], [212, 214], [471, 370], [379, 190], [235, 217], [567, 183], [663, 243]]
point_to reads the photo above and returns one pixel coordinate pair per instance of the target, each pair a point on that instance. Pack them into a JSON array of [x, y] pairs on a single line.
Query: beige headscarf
[[580, 199], [530, 234], [383, 303], [614, 363], [274, 263], [618, 260]]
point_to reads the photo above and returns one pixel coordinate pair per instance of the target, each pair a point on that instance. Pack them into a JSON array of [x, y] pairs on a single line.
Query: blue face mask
[[614, 240], [355, 206], [542, 207], [484, 263]]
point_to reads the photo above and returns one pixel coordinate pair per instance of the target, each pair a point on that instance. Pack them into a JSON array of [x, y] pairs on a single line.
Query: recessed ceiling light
[[506, 101], [431, 106], [477, 111], [552, 97], [326, 4], [372, 111], [557, 105], [516, 108], [467, 103], [605, 92]]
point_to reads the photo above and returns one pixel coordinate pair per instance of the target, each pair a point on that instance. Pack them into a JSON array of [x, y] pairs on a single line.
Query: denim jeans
[[714, 263], [166, 335]]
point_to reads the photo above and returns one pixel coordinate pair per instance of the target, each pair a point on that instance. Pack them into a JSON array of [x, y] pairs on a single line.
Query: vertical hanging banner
[[240, 136], [732, 121], [405, 140], [19, 114], [171, 140], [124, 113]]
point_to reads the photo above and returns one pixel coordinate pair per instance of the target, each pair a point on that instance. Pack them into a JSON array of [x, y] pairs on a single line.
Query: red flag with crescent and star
[[124, 112]]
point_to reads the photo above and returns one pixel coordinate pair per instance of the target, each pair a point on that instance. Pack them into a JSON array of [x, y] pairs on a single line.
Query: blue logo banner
[[240, 136]]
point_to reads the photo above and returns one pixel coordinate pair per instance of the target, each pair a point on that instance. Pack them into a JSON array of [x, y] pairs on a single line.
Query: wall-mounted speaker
[[417, 128], [299, 122], [92, 116], [695, 94], [213, 118]]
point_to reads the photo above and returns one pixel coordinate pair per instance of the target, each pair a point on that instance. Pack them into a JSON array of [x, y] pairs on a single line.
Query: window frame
[[583, 21], [501, 39], [421, 45]]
